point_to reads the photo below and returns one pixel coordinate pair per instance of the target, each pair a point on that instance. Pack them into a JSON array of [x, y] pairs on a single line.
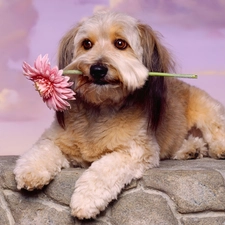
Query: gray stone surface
[[129, 210], [64, 185], [191, 190], [36, 209], [203, 221], [177, 193]]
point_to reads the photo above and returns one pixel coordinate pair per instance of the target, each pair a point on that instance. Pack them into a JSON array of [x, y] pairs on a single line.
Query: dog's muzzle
[[98, 72]]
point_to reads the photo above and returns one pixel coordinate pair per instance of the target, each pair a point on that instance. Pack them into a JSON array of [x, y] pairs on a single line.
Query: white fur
[[95, 188], [39, 165]]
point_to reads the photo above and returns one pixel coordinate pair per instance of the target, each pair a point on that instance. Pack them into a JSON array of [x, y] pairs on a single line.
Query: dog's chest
[[88, 136]]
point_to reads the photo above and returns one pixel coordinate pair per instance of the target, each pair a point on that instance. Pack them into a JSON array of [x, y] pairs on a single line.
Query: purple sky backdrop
[[194, 31]]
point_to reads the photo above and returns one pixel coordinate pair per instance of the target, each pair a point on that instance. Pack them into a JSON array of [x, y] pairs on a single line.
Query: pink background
[[193, 30]]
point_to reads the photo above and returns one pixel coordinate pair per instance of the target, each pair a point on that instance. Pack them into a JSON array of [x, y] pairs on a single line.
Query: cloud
[[18, 18], [18, 106], [8, 99], [12, 106], [187, 14], [17, 21]]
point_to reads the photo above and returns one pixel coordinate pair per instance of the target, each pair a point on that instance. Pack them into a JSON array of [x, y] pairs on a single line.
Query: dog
[[123, 121]]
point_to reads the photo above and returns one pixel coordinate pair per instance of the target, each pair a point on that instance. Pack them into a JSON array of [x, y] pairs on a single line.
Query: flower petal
[[29, 71], [51, 84]]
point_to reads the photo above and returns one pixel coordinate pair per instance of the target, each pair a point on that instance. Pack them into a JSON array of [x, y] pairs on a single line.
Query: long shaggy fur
[[122, 121]]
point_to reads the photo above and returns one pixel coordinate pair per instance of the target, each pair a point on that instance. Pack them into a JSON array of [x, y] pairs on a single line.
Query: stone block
[[191, 190], [7, 180], [62, 187], [178, 192], [141, 208], [217, 220], [30, 210]]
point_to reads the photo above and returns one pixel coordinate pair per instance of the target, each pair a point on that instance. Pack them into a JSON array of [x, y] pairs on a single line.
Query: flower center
[[44, 87]]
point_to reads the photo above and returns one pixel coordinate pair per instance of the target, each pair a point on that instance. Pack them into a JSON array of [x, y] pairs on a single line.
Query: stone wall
[[178, 192]]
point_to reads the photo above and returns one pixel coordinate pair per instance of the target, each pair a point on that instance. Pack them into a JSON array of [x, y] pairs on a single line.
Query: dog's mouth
[[100, 82], [86, 81], [104, 82]]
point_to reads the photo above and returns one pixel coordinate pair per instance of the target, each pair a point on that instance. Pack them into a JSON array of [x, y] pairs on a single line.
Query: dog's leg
[[208, 115], [39, 165], [214, 130], [192, 148], [105, 178], [217, 139]]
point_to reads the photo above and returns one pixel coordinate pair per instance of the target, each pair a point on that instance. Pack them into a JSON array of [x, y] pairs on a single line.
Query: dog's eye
[[120, 44], [87, 44]]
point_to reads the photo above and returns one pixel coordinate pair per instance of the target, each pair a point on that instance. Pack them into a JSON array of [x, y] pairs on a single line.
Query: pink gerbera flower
[[49, 82]]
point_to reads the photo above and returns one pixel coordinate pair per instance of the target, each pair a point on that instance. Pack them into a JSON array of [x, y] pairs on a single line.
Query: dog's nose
[[98, 71]]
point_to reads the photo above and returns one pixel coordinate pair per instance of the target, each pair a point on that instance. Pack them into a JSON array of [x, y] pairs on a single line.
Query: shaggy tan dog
[[123, 121]]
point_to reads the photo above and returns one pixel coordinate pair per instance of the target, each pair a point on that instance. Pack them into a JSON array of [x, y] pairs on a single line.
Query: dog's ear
[[155, 56], [157, 59], [66, 47], [65, 56]]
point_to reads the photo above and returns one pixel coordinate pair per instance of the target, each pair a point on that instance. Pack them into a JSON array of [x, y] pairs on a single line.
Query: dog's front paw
[[39, 165], [86, 206], [31, 178], [34, 174]]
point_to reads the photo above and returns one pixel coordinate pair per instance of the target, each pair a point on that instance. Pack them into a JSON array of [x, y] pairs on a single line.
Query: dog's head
[[115, 52]]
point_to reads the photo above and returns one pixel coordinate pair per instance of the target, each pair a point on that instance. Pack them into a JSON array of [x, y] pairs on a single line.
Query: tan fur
[[150, 39], [102, 134], [65, 55], [108, 128]]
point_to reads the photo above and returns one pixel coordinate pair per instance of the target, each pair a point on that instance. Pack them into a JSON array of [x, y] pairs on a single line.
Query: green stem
[[172, 75], [72, 72], [150, 74]]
